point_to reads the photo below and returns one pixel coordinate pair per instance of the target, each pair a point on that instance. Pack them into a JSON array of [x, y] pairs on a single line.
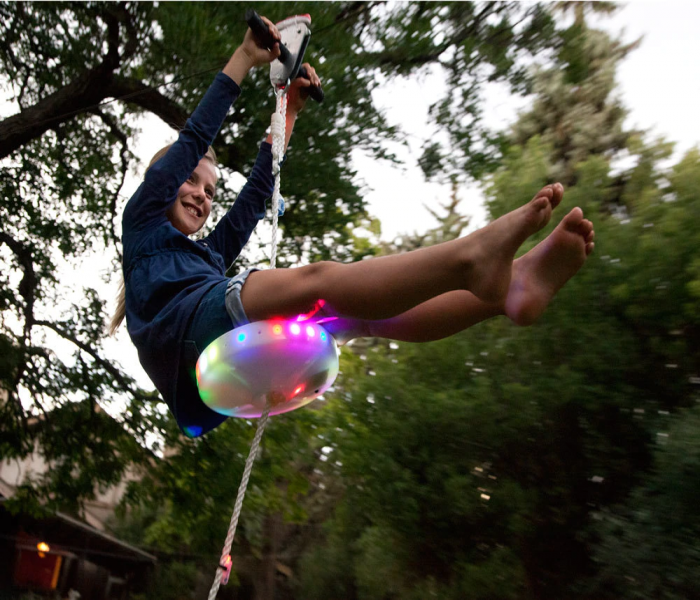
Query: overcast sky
[[659, 84]]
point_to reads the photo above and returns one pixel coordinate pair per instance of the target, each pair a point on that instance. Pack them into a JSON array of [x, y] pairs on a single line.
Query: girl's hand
[[252, 49], [299, 90]]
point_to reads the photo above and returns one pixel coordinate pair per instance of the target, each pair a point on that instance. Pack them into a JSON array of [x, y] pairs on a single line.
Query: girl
[[178, 299]]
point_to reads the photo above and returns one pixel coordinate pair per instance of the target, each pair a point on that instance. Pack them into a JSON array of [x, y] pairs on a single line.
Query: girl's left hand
[[299, 90]]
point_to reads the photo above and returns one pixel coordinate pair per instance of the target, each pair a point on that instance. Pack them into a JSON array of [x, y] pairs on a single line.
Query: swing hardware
[[226, 566], [291, 63]]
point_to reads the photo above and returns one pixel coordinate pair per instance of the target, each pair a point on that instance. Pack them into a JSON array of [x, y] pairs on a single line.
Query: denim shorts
[[219, 311]]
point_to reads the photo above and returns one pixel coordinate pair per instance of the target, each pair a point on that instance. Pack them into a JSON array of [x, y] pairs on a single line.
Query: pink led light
[[310, 331], [295, 329]]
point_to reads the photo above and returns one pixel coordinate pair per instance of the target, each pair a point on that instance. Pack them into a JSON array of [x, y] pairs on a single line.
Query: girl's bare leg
[[381, 288], [536, 278]]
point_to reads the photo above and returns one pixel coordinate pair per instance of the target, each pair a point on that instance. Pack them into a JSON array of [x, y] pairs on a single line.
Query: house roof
[[69, 536]]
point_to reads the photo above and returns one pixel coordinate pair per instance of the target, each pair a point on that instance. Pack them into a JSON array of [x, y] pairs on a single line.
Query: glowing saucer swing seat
[[283, 364], [268, 367]]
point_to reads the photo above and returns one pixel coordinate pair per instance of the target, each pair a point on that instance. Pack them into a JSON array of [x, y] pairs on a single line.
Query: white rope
[[239, 500], [277, 128]]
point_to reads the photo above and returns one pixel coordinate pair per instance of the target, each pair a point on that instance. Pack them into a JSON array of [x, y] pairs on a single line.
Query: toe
[[572, 221], [589, 248], [585, 228], [546, 192], [557, 194]]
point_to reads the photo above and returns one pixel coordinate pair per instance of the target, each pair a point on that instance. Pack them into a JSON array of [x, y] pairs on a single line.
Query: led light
[[43, 547], [193, 432], [277, 329], [241, 337], [323, 336], [298, 390], [310, 331], [213, 353], [295, 329]]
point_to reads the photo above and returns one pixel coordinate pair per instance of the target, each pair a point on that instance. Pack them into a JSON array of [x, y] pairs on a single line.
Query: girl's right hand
[[254, 52]]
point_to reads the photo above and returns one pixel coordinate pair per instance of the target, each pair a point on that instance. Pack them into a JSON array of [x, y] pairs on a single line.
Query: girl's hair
[[120, 311]]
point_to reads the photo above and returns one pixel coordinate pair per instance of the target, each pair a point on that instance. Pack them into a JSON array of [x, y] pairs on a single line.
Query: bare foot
[[539, 275], [496, 244]]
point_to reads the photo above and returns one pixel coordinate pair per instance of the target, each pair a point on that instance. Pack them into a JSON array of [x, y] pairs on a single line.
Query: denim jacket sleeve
[[233, 231]]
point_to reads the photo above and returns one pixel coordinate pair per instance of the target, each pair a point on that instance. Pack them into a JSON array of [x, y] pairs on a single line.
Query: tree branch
[[84, 92], [124, 141], [134, 91], [105, 364], [27, 289], [394, 59]]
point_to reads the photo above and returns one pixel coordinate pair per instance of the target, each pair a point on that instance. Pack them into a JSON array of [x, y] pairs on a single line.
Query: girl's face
[[192, 206]]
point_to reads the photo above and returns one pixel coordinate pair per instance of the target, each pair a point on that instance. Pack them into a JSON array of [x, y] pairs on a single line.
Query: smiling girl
[[178, 298]]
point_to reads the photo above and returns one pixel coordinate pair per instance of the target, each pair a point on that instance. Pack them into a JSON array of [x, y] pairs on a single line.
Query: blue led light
[[193, 431], [323, 336], [241, 337]]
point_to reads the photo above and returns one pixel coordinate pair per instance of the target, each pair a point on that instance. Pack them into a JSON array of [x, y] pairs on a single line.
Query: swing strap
[[278, 130], [225, 563]]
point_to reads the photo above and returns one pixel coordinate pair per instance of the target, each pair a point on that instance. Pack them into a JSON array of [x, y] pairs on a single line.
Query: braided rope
[[239, 501], [277, 128]]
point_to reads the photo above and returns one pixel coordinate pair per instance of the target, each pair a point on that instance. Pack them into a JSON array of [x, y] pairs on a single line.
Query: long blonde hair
[[120, 311]]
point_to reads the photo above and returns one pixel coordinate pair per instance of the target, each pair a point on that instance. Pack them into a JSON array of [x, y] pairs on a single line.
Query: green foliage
[[648, 546], [501, 463], [172, 581], [476, 467]]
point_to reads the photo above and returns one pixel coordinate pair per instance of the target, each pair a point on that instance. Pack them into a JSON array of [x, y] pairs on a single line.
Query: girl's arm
[[235, 228], [165, 177]]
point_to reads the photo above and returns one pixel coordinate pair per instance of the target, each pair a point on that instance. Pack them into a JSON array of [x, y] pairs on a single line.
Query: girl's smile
[[192, 206]]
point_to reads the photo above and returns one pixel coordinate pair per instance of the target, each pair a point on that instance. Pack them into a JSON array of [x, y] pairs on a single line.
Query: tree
[[648, 546]]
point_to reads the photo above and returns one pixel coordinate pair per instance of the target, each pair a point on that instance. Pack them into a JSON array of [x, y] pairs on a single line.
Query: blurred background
[[557, 461]]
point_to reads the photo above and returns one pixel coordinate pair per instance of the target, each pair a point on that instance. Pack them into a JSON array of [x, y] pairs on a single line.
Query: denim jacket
[[165, 272]]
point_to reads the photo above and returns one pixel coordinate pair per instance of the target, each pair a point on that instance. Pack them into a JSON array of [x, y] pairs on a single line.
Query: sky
[[659, 84]]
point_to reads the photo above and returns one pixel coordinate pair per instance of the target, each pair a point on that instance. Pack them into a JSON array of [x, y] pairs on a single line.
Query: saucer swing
[[274, 366]]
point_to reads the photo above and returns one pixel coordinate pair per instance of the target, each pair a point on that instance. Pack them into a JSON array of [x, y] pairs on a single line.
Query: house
[[64, 554]]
